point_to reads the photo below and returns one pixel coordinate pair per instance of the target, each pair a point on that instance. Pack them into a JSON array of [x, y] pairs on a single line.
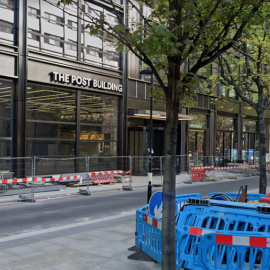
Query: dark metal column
[[79, 32], [240, 137], [21, 72], [21, 86], [213, 133], [123, 134], [78, 123]]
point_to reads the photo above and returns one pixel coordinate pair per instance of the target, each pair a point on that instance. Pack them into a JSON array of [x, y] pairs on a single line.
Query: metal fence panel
[[97, 164], [51, 166]]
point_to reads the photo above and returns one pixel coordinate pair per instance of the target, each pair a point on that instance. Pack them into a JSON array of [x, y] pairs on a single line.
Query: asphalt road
[[17, 218]]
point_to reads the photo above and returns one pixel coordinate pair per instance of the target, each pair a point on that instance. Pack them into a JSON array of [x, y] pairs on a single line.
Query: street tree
[[166, 35], [245, 69]]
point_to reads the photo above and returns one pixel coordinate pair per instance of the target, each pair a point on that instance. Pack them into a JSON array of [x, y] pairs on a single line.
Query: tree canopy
[[245, 69]]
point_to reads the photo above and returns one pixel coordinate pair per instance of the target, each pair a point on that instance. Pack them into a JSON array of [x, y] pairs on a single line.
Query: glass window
[[33, 12], [132, 89], [99, 124], [141, 92], [198, 122], [50, 130], [249, 125], [50, 114], [72, 46], [6, 121], [8, 4], [223, 91], [53, 19], [225, 123], [72, 25], [99, 48], [53, 40], [7, 26], [231, 93], [49, 148]]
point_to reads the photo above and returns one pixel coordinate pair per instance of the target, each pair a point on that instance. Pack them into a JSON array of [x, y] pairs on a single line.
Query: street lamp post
[[150, 174]]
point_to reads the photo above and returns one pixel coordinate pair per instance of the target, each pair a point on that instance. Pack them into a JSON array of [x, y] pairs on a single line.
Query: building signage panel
[[86, 82]]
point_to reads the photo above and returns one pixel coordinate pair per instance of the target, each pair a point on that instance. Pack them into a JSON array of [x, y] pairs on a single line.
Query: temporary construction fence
[[234, 251], [31, 172], [97, 169], [211, 234], [141, 164], [199, 173], [198, 160]]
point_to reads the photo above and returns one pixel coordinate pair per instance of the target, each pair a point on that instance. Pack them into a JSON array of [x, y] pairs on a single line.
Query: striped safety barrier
[[211, 234], [105, 177], [233, 251], [225, 168], [41, 179], [109, 172], [152, 221], [237, 240]]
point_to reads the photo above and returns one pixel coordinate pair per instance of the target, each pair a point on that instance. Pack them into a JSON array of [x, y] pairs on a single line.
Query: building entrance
[[138, 147]]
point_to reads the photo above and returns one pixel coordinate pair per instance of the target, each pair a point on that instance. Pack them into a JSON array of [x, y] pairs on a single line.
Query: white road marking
[[67, 226]]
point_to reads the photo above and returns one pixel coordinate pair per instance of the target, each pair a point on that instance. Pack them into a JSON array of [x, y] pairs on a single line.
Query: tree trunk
[[168, 215], [262, 152]]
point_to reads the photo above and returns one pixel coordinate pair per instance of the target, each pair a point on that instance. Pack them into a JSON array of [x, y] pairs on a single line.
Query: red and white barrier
[[105, 177], [152, 221], [61, 179], [199, 231], [222, 239], [109, 172], [225, 168], [249, 241], [39, 179]]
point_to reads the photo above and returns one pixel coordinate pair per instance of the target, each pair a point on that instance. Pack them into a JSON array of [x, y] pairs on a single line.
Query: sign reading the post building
[[86, 82]]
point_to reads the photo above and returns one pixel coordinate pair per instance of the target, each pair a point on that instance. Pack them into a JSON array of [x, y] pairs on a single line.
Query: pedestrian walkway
[[136, 183], [97, 246]]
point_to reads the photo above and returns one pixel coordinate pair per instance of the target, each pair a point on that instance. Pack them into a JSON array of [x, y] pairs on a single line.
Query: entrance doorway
[[138, 147]]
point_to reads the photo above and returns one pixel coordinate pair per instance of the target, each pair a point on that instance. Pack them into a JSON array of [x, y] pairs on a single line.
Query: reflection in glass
[[99, 120], [52, 114], [6, 94], [198, 122]]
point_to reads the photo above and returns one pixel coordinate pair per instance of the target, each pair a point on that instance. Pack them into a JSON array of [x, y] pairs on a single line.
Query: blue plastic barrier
[[148, 234], [208, 216], [254, 197], [186, 248], [148, 227], [220, 215], [235, 251], [200, 217], [182, 199]]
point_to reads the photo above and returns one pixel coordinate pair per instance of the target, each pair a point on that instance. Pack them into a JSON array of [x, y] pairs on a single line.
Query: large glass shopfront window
[[51, 121], [250, 141], [226, 141], [6, 122], [52, 124], [99, 124]]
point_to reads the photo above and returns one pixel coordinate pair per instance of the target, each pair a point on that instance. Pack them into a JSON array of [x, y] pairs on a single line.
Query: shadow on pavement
[[139, 255]]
